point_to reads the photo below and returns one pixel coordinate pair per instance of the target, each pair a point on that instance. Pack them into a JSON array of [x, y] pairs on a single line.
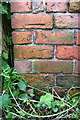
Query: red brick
[[67, 21], [68, 52], [61, 92], [78, 37], [66, 81], [26, 52], [32, 21], [54, 37], [77, 67], [40, 79], [53, 66], [74, 6], [22, 37], [18, 6], [56, 6], [37, 5], [23, 66]]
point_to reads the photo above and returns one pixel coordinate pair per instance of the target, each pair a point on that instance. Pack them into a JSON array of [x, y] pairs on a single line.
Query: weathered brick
[[53, 66], [74, 6], [23, 66], [40, 79], [78, 37], [32, 21], [77, 67], [66, 81], [68, 52], [61, 92], [22, 37], [56, 6], [37, 5], [67, 21], [26, 52], [54, 37], [21, 6]]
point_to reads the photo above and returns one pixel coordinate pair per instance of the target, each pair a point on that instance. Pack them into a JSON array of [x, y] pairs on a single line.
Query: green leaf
[[32, 95], [55, 109], [9, 116], [57, 102], [5, 66], [22, 113], [5, 100], [16, 93], [24, 97], [46, 99], [5, 56], [22, 86]]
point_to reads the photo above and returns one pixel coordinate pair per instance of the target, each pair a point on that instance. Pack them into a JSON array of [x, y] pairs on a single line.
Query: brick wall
[[46, 41]]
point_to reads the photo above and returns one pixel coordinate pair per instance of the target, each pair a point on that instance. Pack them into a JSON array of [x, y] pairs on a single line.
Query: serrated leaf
[[22, 86], [24, 97]]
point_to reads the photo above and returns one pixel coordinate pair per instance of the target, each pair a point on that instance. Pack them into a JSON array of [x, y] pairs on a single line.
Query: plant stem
[[45, 116]]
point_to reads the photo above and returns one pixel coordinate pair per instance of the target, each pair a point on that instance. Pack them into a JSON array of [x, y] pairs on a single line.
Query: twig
[[16, 114], [45, 116], [33, 109], [63, 101]]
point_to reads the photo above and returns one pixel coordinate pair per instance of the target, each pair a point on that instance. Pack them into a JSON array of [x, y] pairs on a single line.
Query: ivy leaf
[[24, 97], [46, 99], [5, 100], [22, 86]]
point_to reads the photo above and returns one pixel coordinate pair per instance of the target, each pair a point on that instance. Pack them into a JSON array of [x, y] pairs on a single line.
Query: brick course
[[67, 21], [46, 40], [74, 6], [68, 52], [26, 52], [53, 66], [22, 37], [54, 37], [56, 6], [40, 79], [32, 21]]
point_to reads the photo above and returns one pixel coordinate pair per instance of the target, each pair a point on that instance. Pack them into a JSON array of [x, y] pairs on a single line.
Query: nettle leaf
[[5, 100], [22, 86], [24, 97]]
